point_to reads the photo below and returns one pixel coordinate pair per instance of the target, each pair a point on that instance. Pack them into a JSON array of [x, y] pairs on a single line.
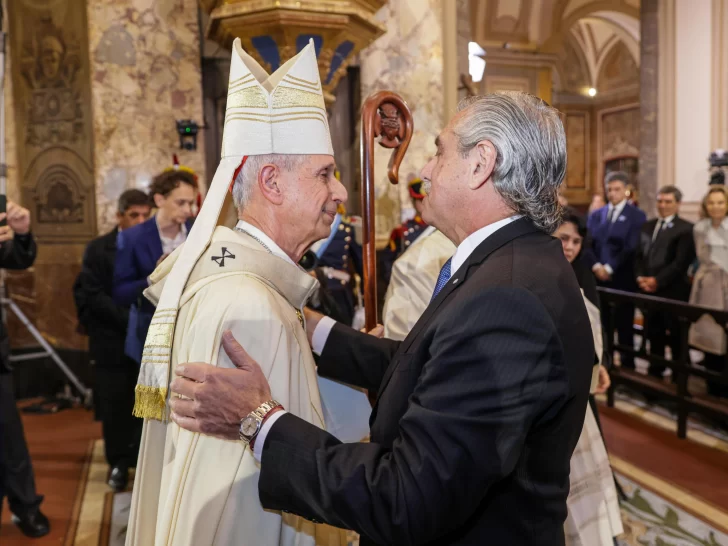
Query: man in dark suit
[[665, 252], [141, 249], [615, 231], [17, 251], [105, 323], [481, 405]]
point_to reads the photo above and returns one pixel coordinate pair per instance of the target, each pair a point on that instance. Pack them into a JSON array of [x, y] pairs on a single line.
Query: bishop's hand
[[215, 400]]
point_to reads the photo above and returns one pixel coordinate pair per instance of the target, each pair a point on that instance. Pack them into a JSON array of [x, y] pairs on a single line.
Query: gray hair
[[671, 190], [247, 178], [616, 176], [530, 150]]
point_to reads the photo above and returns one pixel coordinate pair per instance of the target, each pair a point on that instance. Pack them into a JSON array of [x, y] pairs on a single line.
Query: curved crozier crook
[[387, 116]]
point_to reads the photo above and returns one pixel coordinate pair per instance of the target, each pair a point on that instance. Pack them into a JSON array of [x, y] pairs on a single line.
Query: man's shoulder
[[634, 212], [139, 231], [245, 295], [683, 224]]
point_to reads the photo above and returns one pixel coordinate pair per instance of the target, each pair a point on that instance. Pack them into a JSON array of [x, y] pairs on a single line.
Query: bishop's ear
[[482, 160], [268, 178]]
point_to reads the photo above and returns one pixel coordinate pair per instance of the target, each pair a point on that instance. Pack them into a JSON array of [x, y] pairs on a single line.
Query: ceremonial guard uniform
[[339, 257], [405, 234]]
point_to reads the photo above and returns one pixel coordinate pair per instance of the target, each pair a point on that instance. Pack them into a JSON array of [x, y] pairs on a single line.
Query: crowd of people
[[484, 428], [668, 257]]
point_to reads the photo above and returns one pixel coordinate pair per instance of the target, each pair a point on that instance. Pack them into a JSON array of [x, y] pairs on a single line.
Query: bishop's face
[[312, 197]]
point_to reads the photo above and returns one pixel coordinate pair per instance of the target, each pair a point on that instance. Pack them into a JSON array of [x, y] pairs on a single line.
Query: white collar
[[182, 233], [472, 241], [250, 229], [619, 207], [667, 220]]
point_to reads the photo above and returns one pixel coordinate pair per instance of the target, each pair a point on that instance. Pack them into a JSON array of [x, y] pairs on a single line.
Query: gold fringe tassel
[[150, 403]]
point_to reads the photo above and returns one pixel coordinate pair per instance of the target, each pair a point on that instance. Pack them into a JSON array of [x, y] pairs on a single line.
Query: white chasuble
[[195, 490]]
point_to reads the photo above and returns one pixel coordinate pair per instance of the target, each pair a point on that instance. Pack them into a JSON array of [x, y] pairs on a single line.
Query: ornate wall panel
[[53, 125], [53, 143]]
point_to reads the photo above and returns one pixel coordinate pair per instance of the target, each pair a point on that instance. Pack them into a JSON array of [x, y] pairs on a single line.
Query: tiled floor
[[644, 446]]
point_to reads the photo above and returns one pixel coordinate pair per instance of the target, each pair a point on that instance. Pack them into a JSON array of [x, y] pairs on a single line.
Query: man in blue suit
[[141, 248], [615, 232]]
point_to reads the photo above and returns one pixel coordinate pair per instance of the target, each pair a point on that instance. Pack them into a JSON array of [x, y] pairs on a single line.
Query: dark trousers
[[716, 363], [115, 397], [16, 469], [623, 317], [662, 331]]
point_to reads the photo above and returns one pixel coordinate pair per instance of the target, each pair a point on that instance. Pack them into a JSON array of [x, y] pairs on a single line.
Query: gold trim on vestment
[[150, 402]]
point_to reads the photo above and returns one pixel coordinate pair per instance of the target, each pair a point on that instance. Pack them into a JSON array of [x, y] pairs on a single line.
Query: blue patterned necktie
[[442, 278]]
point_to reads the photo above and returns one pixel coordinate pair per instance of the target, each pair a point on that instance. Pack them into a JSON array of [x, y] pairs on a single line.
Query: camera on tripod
[[718, 160]]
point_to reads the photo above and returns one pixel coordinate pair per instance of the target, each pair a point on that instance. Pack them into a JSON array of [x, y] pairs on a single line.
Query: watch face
[[249, 426]]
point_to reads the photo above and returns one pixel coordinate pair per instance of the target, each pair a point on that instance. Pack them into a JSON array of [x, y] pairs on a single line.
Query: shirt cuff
[[260, 439], [608, 269], [596, 266], [321, 334]]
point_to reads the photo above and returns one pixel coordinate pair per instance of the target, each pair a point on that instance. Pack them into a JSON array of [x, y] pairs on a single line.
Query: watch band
[[258, 414]]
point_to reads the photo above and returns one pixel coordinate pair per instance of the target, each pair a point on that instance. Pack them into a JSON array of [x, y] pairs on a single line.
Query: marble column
[[649, 84], [407, 59], [691, 108], [145, 75]]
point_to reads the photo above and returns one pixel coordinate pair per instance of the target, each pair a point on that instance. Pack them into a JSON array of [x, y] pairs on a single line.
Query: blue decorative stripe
[[268, 50], [342, 52], [303, 39]]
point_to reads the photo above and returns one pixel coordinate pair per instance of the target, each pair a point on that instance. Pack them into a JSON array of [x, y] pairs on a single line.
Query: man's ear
[[268, 178], [158, 200], [482, 162]]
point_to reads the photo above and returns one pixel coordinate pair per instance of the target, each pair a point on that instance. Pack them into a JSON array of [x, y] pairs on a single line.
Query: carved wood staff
[[387, 116]]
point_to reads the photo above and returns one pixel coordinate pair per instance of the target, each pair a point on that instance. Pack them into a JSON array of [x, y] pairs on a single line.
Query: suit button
[[341, 227], [315, 521], [348, 230]]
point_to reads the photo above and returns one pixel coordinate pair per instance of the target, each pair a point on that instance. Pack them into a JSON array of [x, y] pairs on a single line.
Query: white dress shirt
[[170, 244], [323, 328], [662, 226]]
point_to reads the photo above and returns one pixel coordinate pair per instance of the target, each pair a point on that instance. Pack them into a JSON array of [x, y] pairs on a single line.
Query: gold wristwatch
[[250, 425]]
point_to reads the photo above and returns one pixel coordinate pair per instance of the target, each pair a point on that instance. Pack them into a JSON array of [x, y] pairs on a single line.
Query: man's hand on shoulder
[[215, 400]]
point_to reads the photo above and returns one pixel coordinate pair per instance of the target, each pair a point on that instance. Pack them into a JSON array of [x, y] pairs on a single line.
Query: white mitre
[[281, 113]]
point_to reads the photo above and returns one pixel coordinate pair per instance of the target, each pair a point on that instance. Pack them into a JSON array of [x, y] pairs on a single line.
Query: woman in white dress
[[594, 518]]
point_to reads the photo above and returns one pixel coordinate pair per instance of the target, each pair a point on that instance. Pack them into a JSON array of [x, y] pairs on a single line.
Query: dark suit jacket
[[616, 243], [479, 410], [668, 258], [137, 251], [16, 254], [103, 319]]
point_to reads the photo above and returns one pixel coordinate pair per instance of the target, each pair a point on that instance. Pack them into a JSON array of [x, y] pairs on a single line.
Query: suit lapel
[[154, 241], [496, 240]]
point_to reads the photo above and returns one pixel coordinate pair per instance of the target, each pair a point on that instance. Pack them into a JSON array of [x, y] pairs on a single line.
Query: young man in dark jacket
[[105, 323]]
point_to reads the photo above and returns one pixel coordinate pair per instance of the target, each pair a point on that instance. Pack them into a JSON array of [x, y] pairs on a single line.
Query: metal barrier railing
[[683, 315]]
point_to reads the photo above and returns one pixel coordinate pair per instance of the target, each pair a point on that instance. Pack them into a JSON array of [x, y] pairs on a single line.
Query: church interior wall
[[137, 67]]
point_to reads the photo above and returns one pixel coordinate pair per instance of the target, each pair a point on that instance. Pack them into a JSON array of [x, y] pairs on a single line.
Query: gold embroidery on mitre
[[301, 81], [288, 97], [240, 82], [249, 97], [305, 86]]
